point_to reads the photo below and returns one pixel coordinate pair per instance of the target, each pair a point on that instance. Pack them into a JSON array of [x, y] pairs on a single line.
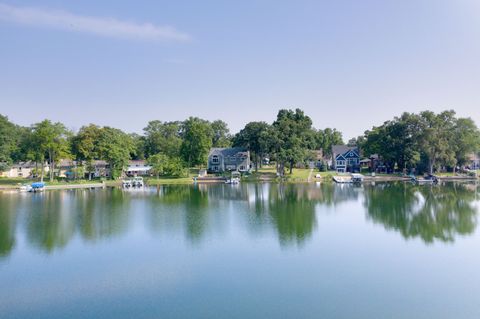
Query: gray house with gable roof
[[346, 158], [228, 159]]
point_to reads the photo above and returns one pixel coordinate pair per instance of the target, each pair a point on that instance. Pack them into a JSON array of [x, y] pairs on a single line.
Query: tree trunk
[[291, 167], [41, 174]]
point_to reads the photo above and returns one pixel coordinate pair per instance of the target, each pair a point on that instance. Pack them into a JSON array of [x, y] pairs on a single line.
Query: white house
[[138, 168], [24, 169]]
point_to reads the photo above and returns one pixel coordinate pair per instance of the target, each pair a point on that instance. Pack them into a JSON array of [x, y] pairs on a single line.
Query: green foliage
[[425, 141], [197, 141], [327, 138], [50, 140], [115, 147], [221, 134], [163, 138], [292, 137], [9, 139], [255, 137], [162, 165]]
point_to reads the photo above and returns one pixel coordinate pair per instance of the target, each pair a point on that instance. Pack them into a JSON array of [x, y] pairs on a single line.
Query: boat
[[357, 178], [25, 188], [234, 179], [430, 179], [126, 183], [37, 187], [137, 182], [349, 179]]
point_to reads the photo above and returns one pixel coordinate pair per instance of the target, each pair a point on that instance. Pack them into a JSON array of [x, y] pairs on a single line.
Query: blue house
[[346, 158]]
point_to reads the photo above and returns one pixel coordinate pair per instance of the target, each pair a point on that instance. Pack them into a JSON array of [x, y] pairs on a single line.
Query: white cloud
[[108, 27]]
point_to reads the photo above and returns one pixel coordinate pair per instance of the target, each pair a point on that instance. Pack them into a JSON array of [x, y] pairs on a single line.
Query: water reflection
[[49, 221], [431, 213]]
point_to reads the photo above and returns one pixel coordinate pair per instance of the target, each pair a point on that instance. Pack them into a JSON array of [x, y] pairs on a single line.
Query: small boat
[[233, 180], [126, 183], [430, 179], [25, 188], [37, 187], [342, 179], [137, 182], [357, 178]]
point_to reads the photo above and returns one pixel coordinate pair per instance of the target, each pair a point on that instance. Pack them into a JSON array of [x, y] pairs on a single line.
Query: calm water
[[246, 251]]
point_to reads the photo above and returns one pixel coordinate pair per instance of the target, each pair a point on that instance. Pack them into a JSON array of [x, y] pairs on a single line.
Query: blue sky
[[349, 64]]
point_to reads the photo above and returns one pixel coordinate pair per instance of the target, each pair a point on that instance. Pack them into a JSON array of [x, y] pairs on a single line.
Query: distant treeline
[[411, 141]]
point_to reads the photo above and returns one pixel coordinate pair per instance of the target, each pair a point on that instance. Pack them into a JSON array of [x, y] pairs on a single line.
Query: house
[[23, 169], [473, 161], [345, 158], [138, 168], [228, 159], [98, 168]]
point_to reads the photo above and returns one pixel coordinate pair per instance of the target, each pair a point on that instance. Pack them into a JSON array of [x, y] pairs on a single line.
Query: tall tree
[[466, 140], [436, 137], [50, 139], [9, 140], [115, 147], [221, 134], [197, 141], [327, 138], [85, 146], [254, 136], [293, 133], [163, 137]]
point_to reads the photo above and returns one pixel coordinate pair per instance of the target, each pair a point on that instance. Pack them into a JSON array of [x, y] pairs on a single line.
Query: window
[[242, 168], [215, 168], [215, 159], [340, 163]]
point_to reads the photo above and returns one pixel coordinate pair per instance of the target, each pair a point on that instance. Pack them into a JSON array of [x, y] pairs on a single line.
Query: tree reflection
[[8, 220], [50, 225], [292, 213], [428, 212]]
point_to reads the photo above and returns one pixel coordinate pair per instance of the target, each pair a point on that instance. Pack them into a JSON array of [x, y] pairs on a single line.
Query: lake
[[242, 251]]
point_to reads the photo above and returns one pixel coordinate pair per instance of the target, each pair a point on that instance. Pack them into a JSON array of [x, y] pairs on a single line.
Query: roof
[[232, 151], [342, 149], [28, 164]]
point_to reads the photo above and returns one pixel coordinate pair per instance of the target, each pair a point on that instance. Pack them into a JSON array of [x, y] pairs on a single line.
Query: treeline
[[424, 142], [169, 147]]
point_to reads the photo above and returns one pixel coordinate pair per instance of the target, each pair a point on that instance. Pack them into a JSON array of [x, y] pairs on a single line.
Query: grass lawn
[[169, 180], [14, 181], [299, 174]]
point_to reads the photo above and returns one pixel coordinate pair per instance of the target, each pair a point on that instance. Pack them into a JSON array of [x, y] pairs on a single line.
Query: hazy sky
[[349, 64]]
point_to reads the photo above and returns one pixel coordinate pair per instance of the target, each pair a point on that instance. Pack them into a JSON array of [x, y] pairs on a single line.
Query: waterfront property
[[228, 159], [346, 158], [138, 168], [24, 170]]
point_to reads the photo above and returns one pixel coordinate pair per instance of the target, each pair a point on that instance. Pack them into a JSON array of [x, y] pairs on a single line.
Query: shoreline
[[367, 179]]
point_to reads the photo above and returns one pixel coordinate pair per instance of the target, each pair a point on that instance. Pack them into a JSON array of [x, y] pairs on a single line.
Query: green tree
[[50, 139], [163, 138], [85, 146], [292, 135], [158, 162], [9, 140], [256, 138], [466, 140], [221, 134], [197, 141], [436, 138], [115, 147], [327, 138]]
